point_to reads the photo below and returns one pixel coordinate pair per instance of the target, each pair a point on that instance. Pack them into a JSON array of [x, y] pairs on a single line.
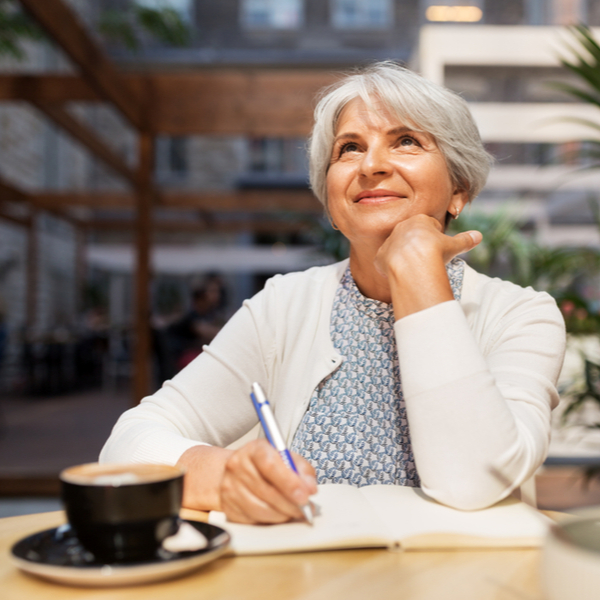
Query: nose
[[375, 161]]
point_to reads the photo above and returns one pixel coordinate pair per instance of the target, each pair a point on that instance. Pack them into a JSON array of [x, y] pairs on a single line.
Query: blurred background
[[153, 175]]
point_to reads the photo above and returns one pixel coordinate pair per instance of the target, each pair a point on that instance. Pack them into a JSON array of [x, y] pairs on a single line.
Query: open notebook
[[390, 516]]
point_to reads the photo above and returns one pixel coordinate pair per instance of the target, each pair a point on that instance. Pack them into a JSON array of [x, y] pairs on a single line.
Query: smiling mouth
[[377, 196]]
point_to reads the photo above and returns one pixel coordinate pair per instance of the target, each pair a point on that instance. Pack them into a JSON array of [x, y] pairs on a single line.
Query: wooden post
[[141, 311]]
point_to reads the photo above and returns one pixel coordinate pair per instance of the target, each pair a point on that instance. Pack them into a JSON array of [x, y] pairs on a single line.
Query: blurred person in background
[[199, 325]]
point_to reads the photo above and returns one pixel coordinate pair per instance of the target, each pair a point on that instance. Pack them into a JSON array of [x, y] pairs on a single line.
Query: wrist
[[415, 287], [204, 467]]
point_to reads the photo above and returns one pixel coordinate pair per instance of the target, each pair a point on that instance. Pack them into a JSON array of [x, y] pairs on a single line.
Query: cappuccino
[[122, 513], [116, 475]]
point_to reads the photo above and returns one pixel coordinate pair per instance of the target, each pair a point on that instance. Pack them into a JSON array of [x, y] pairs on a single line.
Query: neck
[[369, 281]]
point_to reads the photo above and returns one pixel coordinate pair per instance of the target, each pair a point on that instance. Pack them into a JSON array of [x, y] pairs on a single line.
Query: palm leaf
[[585, 67], [592, 379], [15, 26], [577, 93], [118, 27], [163, 24]]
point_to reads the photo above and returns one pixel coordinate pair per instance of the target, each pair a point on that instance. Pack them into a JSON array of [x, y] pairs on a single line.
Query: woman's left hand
[[413, 259]]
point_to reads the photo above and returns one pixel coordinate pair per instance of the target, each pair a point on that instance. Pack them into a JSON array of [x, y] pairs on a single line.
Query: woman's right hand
[[413, 260], [250, 485], [257, 487]]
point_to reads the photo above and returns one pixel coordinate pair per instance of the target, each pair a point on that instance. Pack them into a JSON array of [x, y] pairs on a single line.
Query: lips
[[376, 195]]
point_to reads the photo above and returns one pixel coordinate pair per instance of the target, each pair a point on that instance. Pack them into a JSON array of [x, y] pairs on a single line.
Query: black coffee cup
[[122, 513]]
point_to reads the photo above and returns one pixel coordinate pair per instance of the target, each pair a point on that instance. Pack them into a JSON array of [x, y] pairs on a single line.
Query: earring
[[331, 220], [457, 214]]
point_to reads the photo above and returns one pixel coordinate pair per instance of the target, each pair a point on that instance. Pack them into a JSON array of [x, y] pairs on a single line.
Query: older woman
[[400, 366]]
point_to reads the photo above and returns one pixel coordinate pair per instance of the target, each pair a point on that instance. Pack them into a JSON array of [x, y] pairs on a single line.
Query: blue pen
[[271, 429]]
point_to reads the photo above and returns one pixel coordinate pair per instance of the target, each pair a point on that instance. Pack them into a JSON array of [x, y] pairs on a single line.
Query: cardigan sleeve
[[206, 403], [479, 402]]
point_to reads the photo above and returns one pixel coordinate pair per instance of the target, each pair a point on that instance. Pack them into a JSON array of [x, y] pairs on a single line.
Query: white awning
[[187, 260]]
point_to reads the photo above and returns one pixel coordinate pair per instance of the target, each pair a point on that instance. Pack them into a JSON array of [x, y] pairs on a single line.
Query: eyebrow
[[393, 131]]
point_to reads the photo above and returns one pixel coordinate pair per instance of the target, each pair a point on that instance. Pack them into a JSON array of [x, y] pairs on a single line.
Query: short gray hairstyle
[[416, 102]]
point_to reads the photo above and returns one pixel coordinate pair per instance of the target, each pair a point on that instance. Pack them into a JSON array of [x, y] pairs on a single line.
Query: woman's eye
[[349, 147], [408, 141]]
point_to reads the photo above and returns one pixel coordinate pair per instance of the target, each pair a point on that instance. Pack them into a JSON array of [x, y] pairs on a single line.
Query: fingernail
[[299, 496], [311, 482]]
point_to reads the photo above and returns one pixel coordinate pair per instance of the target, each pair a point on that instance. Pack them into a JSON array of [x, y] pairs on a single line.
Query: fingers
[[257, 487], [307, 473], [421, 241], [463, 242]]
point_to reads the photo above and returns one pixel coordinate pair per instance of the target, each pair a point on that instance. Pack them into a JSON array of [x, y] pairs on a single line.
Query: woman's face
[[383, 172]]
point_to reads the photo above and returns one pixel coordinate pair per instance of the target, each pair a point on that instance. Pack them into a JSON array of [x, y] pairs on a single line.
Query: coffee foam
[[117, 479], [117, 475]]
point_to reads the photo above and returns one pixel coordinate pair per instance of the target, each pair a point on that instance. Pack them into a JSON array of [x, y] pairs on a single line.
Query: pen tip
[[308, 514]]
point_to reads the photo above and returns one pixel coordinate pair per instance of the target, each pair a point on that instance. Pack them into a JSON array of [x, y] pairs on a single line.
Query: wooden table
[[344, 575]]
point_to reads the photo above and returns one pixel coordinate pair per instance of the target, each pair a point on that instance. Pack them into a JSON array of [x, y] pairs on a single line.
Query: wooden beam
[[93, 199], [47, 94], [32, 485], [143, 231], [245, 201], [22, 221], [239, 201], [46, 88], [11, 193], [83, 134], [254, 102], [64, 27], [258, 102]]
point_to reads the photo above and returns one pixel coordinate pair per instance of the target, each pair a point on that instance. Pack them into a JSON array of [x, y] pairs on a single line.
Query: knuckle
[[268, 461], [233, 462]]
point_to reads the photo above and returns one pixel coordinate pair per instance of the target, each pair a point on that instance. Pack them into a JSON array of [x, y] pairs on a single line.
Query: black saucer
[[58, 555]]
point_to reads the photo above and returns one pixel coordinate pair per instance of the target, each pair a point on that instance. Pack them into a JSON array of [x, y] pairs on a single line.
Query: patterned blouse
[[355, 429]]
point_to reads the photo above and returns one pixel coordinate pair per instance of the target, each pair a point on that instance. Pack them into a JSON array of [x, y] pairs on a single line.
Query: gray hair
[[416, 102]]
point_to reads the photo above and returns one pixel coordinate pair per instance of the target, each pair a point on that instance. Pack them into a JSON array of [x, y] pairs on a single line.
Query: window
[[275, 163], [172, 159], [361, 14], [277, 155], [271, 14]]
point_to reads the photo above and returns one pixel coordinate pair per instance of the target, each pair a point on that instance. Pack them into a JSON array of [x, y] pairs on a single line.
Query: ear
[[460, 198]]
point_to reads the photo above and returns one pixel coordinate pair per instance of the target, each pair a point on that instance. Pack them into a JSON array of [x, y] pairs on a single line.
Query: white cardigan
[[478, 378]]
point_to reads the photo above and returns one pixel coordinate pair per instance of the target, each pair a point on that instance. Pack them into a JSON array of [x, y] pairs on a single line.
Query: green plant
[[329, 240], [509, 253], [123, 27], [163, 23], [584, 63], [15, 26], [591, 390], [503, 251]]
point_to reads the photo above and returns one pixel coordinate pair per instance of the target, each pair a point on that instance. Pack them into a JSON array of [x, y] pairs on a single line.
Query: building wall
[[34, 155]]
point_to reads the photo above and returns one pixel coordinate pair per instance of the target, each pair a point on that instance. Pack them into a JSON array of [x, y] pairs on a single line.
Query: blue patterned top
[[355, 429]]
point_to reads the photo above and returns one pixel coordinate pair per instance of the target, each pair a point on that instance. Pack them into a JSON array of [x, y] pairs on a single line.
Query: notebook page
[[344, 519], [409, 512]]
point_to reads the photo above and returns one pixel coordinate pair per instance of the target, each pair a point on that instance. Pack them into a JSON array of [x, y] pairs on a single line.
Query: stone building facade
[[294, 34]]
